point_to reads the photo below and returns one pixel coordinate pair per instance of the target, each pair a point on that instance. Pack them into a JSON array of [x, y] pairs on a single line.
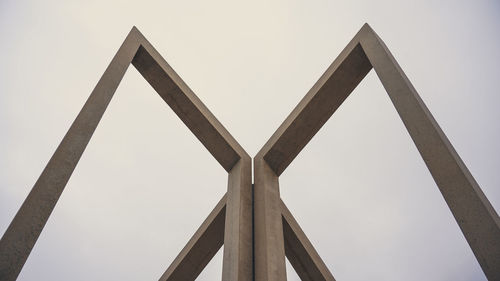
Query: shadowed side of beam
[[339, 80], [187, 106], [473, 212], [201, 248], [300, 252], [25, 228]]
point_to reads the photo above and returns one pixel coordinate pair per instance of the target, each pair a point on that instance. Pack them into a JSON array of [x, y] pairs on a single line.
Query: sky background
[[359, 189]]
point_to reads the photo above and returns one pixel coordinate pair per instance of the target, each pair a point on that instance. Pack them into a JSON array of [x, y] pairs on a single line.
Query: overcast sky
[[359, 189]]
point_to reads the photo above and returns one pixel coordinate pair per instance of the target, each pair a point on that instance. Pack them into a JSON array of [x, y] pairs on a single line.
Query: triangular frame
[[230, 223], [276, 231]]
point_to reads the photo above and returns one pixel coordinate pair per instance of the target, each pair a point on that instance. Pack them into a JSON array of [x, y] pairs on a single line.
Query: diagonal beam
[[300, 252], [312, 112], [21, 235], [187, 105], [201, 248], [473, 212]]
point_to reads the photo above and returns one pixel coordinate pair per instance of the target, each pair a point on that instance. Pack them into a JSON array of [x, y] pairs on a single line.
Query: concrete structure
[[253, 224]]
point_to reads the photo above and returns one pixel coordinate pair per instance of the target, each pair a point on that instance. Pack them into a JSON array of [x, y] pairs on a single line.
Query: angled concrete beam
[[21, 235], [187, 105], [201, 248], [334, 86], [300, 252], [473, 212]]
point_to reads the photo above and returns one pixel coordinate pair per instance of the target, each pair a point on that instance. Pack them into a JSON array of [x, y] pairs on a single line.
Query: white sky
[[359, 189]]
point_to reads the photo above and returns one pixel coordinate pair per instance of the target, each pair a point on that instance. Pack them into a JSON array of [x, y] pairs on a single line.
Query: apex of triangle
[[367, 26]]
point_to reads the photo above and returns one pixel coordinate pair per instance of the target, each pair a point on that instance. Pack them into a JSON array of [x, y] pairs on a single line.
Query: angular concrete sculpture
[[254, 225], [230, 223]]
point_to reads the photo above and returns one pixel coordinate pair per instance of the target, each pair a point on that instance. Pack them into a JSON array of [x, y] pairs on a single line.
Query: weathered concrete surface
[[201, 248], [300, 252]]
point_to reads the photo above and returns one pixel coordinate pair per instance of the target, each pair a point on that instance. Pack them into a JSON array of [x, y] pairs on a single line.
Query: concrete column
[[238, 245], [268, 228]]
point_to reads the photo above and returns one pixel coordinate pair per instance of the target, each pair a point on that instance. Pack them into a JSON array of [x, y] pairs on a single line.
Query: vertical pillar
[[238, 257], [268, 231]]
